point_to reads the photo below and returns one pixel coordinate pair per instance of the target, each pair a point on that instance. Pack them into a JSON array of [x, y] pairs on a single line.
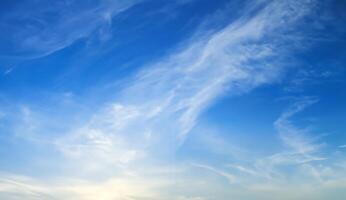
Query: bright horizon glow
[[176, 100]]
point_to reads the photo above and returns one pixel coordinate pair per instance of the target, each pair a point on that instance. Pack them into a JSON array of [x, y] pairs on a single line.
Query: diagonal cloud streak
[[162, 103]]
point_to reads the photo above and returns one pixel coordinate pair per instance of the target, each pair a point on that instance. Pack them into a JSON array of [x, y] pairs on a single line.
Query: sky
[[173, 100]]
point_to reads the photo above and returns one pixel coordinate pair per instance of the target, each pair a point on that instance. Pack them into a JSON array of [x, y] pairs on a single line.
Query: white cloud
[[296, 138], [230, 177], [166, 98], [37, 35], [234, 59], [245, 170]]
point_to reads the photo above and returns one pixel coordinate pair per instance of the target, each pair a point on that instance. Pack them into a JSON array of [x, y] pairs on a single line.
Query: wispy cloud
[[234, 59], [301, 145], [245, 170], [292, 136], [44, 28], [230, 177], [301, 155], [162, 103]]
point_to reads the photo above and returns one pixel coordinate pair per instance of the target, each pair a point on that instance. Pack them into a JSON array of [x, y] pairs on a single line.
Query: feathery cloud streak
[[48, 27], [164, 100]]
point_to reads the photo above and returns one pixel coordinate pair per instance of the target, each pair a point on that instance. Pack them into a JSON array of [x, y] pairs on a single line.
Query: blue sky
[[173, 100]]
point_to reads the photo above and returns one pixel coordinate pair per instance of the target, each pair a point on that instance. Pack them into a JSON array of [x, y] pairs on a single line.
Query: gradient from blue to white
[[173, 100]]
